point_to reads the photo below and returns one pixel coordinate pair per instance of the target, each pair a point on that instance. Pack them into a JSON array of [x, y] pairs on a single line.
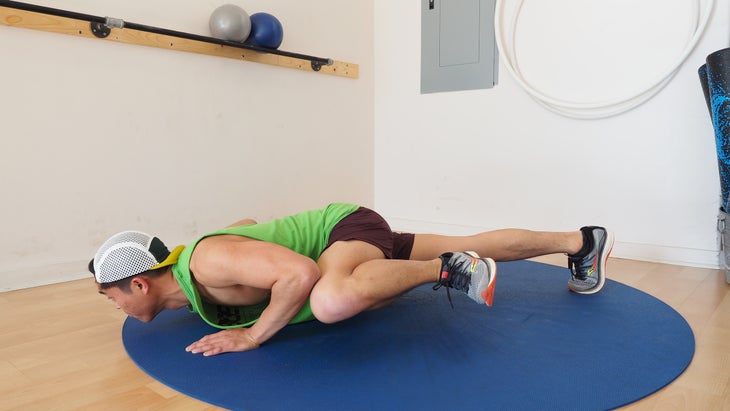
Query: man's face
[[137, 303]]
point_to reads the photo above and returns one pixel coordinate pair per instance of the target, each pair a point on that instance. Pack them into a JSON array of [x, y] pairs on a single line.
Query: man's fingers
[[202, 345], [220, 342]]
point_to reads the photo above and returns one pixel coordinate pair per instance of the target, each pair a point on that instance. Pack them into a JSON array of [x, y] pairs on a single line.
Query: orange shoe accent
[[488, 293]]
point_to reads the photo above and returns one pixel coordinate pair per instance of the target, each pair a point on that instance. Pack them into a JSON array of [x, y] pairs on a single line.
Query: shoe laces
[[454, 279], [579, 266], [448, 293]]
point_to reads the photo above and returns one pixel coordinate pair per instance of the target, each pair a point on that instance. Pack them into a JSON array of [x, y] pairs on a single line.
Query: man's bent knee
[[330, 305]]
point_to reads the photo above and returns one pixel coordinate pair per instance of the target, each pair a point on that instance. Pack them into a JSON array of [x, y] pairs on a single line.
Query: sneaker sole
[[601, 266], [488, 293]]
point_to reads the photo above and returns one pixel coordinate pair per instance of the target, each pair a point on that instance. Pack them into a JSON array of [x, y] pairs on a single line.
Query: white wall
[[469, 161], [99, 137]]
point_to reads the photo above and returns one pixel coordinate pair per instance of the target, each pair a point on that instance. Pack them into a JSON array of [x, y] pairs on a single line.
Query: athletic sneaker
[[468, 273], [588, 266]]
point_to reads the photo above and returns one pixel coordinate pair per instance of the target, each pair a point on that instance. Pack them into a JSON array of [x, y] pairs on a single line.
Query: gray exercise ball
[[230, 22]]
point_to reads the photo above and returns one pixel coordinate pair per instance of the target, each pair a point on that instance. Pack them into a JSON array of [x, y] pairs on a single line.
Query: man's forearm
[[288, 296]]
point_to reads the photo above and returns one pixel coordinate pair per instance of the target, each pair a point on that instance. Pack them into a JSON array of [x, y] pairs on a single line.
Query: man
[[253, 279]]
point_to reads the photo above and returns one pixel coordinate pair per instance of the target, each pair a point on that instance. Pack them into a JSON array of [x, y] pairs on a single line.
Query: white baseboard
[[668, 255], [632, 251], [35, 276]]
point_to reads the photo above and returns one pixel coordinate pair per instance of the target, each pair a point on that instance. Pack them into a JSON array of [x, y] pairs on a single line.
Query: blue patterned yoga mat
[[540, 347], [715, 81]]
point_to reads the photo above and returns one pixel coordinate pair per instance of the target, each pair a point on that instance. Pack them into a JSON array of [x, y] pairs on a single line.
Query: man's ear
[[140, 284]]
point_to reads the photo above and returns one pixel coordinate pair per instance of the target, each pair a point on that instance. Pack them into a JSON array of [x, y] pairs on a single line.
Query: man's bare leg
[[355, 277], [501, 245], [588, 250]]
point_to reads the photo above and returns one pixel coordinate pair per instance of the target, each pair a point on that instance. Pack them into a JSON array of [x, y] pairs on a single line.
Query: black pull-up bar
[[101, 27]]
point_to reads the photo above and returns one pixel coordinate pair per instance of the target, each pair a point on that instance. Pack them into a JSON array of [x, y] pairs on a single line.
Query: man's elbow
[[297, 277], [307, 275]]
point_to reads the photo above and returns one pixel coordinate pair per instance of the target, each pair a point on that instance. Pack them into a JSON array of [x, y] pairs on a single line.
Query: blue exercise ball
[[230, 22], [266, 31]]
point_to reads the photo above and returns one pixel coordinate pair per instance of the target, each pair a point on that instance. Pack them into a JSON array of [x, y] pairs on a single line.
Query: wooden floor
[[61, 349]]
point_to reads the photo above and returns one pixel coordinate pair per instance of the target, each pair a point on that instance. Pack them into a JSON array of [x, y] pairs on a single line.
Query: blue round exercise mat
[[540, 347]]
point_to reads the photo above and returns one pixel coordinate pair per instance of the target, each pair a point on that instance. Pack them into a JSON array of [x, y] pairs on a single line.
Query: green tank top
[[306, 233]]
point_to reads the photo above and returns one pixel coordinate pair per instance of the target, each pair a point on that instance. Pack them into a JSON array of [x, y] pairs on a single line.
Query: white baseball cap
[[129, 253]]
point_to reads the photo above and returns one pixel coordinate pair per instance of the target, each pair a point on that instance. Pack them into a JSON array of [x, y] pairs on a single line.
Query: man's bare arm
[[228, 261]]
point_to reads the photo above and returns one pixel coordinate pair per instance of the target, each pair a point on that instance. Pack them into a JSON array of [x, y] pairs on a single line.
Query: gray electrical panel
[[458, 49]]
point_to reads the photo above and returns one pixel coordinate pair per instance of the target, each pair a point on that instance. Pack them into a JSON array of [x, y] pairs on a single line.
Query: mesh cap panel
[[123, 255], [136, 237]]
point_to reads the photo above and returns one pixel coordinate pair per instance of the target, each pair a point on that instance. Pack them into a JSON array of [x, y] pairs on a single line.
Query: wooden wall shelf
[[24, 15]]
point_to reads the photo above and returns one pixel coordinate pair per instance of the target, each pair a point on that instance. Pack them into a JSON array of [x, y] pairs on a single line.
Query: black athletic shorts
[[366, 225]]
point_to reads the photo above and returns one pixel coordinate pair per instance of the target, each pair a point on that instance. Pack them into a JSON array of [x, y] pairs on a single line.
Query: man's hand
[[237, 339]]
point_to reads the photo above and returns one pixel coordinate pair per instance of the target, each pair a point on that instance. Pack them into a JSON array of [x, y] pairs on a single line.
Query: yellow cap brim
[[171, 259]]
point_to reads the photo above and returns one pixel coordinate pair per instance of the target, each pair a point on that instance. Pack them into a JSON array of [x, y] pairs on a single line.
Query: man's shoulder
[[211, 253]]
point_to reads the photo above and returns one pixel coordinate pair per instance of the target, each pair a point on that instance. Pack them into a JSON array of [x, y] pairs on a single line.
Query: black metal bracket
[[100, 30], [317, 64]]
